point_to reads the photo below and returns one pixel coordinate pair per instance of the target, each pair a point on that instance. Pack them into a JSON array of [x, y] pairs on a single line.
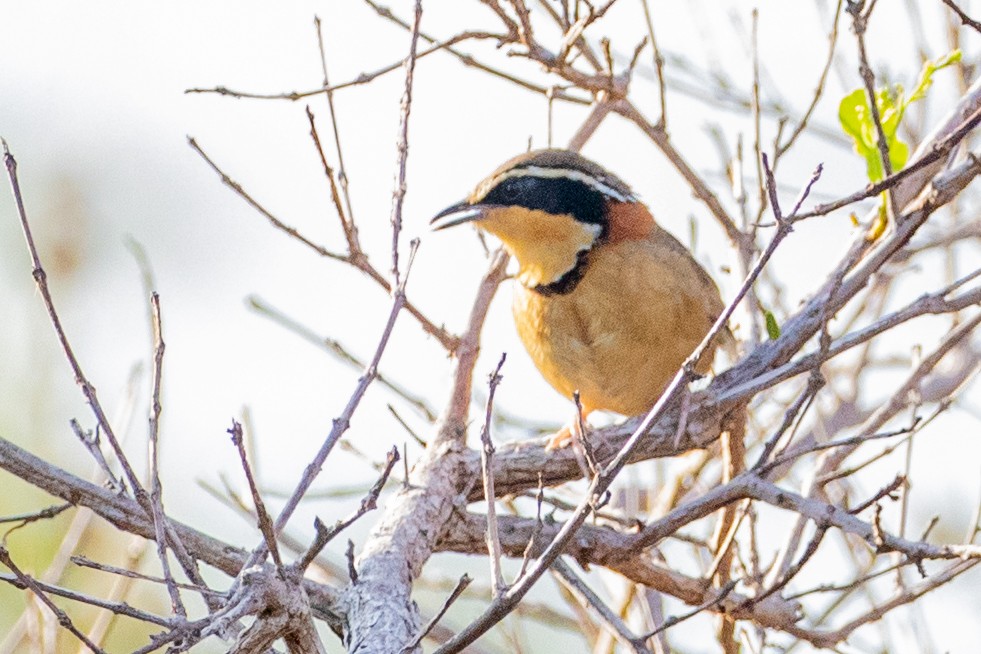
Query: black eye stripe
[[556, 195]]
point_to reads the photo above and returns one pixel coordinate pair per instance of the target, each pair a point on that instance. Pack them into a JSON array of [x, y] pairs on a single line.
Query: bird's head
[[550, 208]]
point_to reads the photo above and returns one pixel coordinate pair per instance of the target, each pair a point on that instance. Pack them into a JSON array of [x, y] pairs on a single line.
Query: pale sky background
[[92, 104]]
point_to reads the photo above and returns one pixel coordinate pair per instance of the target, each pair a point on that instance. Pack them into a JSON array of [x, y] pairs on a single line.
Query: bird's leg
[[573, 431], [563, 437]]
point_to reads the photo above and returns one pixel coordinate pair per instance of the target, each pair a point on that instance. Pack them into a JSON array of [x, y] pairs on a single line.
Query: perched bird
[[607, 303]]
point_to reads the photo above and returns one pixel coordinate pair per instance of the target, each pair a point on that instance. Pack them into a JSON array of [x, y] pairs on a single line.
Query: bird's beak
[[462, 212]]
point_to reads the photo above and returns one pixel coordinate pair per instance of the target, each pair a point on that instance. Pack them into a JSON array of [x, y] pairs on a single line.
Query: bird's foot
[[558, 440]]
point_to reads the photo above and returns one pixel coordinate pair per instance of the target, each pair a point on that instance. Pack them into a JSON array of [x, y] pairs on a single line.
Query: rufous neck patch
[[628, 221]]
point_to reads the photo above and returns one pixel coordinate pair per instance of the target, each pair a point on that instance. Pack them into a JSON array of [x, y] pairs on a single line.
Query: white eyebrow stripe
[[559, 173]]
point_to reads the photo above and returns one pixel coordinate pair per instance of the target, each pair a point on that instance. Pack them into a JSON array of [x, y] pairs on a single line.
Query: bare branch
[[402, 145], [487, 455], [460, 587], [381, 610], [965, 19], [33, 516], [585, 594], [27, 582], [153, 444], [262, 516], [368, 503]]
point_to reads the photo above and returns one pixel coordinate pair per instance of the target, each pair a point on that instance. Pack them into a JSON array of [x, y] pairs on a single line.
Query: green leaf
[[772, 328], [855, 117], [856, 121], [926, 74]]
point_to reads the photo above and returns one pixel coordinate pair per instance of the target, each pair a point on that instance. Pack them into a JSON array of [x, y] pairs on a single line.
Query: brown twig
[[85, 562], [357, 259], [343, 421], [783, 147], [460, 587], [402, 145], [118, 608], [369, 503], [344, 214], [263, 520], [27, 582], [33, 516], [859, 25], [338, 350], [41, 279], [662, 121], [532, 539], [715, 601], [581, 591], [468, 59], [92, 442], [153, 446], [965, 19], [498, 586], [361, 79]]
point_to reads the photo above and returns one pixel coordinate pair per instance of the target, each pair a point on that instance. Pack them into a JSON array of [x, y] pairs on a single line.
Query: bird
[[607, 303]]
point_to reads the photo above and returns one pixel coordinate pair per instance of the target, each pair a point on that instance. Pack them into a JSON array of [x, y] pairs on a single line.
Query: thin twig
[[361, 79], [600, 110], [119, 608], [675, 619], [614, 624], [33, 516], [85, 562], [460, 587], [338, 350], [965, 19], [402, 145], [92, 442], [329, 93], [859, 25], [782, 148], [662, 121], [88, 390], [498, 586], [468, 59], [357, 259], [273, 220], [263, 520], [153, 446], [536, 532], [347, 224], [369, 503], [27, 582]]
